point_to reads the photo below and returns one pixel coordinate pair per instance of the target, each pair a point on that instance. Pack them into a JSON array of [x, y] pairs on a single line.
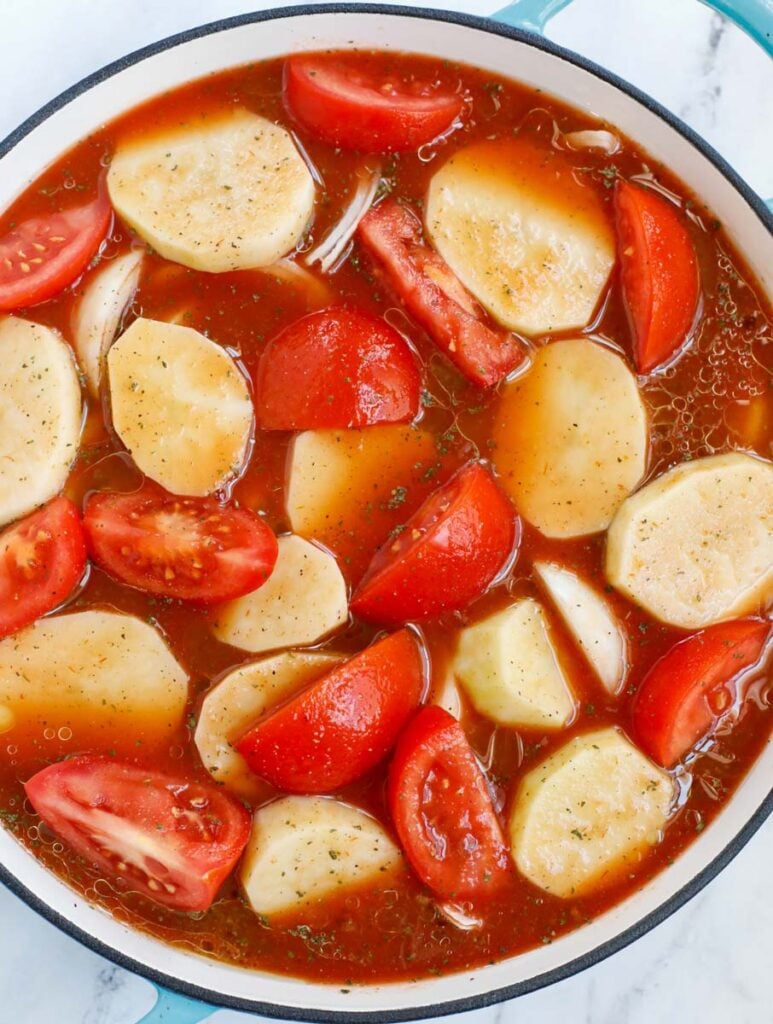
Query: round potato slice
[[587, 813], [92, 676], [40, 415], [530, 242], [302, 601], [180, 405], [510, 669], [571, 438], [303, 849], [238, 700], [226, 193], [695, 546]]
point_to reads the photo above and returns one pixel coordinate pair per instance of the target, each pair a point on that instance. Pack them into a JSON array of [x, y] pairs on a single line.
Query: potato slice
[[531, 243], [587, 813], [104, 677], [591, 622], [302, 601], [571, 438], [220, 194], [510, 669], [347, 488], [695, 546], [238, 700], [304, 849], [180, 405], [40, 415], [98, 313]]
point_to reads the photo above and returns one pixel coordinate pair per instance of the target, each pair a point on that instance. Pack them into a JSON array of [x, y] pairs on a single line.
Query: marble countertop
[[711, 961]]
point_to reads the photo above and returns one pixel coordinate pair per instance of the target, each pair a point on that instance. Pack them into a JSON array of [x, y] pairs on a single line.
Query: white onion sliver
[[339, 236], [458, 916], [98, 315], [593, 139]]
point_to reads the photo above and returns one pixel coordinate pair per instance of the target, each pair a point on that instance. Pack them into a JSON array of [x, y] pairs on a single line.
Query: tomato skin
[[214, 552], [659, 273], [42, 560], [339, 367], [173, 840], [435, 297], [344, 724], [345, 108], [442, 809], [684, 694], [81, 230], [447, 554]]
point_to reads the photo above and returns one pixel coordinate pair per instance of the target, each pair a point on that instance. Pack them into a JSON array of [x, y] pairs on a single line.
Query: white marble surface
[[711, 961]]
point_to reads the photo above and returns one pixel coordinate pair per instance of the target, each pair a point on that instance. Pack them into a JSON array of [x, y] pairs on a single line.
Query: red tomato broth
[[696, 406]]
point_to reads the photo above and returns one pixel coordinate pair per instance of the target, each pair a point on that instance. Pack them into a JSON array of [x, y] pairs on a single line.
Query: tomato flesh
[[344, 724], [446, 555], [338, 367], [659, 273], [194, 549], [442, 809], [686, 692], [435, 297], [172, 840], [345, 107], [42, 255], [42, 560]]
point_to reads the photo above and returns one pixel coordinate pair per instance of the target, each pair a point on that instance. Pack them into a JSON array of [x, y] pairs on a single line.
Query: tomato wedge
[[687, 691], [435, 297], [42, 560], [170, 839], [194, 549], [659, 273], [442, 809], [346, 107], [338, 367], [343, 724], [447, 554], [42, 255]]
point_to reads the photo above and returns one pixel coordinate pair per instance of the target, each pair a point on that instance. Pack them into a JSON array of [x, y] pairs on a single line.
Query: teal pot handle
[[172, 1008], [755, 17]]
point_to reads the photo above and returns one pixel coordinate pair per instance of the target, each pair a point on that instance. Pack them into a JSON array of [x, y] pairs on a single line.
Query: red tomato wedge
[[442, 809], [338, 367], [42, 560], [194, 549], [42, 255], [434, 296], [659, 273], [343, 724], [686, 692], [346, 107], [170, 839], [447, 554]]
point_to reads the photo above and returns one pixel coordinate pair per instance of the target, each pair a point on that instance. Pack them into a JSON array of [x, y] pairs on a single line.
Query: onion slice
[[458, 916], [591, 622], [97, 316], [596, 138], [336, 240]]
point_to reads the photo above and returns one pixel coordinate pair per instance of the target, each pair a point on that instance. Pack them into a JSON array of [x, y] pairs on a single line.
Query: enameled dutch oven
[[509, 45]]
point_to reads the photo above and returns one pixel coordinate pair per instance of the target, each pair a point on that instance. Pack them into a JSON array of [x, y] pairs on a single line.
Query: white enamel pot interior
[[505, 52]]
